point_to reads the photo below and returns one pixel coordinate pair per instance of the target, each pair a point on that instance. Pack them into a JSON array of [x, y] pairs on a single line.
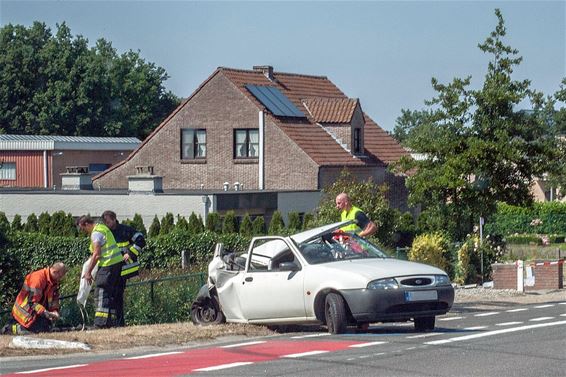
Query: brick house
[[263, 130], [40, 161]]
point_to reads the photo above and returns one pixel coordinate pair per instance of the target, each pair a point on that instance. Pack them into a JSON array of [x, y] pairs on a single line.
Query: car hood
[[373, 269]]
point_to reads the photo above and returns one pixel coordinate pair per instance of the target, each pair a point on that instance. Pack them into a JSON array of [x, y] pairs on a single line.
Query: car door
[[266, 291]]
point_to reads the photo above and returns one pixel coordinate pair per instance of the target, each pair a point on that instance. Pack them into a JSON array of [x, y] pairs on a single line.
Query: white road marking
[[495, 332], [152, 355], [311, 335], [379, 354], [223, 366], [544, 306], [410, 348], [243, 344], [540, 319], [486, 314], [508, 323], [55, 368], [475, 328], [562, 303], [563, 315], [366, 344], [516, 310], [424, 335], [449, 318], [294, 355]]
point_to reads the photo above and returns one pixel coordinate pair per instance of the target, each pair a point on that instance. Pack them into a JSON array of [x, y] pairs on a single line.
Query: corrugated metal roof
[[50, 142]]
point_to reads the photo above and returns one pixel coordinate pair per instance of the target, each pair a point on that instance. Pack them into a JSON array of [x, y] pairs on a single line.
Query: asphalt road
[[517, 340]]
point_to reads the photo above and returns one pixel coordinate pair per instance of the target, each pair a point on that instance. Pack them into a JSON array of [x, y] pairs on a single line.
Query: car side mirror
[[288, 266]]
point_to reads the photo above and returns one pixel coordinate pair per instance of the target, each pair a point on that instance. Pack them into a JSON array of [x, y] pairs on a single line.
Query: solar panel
[[275, 101]]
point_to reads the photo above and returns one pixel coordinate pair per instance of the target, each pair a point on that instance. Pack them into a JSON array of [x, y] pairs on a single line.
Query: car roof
[[311, 234]]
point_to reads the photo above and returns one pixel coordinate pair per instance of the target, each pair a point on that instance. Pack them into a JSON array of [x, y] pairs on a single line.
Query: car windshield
[[337, 246]]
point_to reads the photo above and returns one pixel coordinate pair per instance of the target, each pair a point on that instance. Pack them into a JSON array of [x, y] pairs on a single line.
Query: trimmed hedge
[[541, 218]]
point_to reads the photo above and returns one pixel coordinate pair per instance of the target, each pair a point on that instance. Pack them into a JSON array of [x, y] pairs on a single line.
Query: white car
[[322, 275]]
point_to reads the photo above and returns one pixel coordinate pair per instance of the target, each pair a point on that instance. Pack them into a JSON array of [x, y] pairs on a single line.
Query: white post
[[261, 126], [520, 268], [481, 248], [45, 169]]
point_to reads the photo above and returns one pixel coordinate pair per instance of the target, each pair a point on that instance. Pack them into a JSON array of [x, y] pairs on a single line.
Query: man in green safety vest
[[362, 225], [109, 258]]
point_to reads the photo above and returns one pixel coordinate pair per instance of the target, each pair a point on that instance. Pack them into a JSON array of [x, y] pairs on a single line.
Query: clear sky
[[382, 52]]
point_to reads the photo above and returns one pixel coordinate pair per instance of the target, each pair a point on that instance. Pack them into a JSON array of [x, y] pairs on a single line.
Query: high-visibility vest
[[351, 215], [37, 295], [110, 252], [131, 266]]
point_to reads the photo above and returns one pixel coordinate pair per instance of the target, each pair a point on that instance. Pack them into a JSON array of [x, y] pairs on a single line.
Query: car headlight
[[388, 283], [441, 280]]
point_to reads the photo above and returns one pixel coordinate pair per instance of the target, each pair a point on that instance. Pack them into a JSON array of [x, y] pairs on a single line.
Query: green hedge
[[541, 218]]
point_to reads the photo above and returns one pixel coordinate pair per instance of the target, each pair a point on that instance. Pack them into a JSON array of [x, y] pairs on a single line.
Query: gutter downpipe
[[261, 177], [45, 168]]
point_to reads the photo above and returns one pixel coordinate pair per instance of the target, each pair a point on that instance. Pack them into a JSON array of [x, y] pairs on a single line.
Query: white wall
[[297, 202]]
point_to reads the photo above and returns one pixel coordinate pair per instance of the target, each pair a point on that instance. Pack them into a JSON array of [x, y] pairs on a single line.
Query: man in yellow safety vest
[[362, 225]]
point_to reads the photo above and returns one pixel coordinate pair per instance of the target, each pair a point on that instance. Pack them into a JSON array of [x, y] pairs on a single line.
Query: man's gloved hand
[[52, 316]]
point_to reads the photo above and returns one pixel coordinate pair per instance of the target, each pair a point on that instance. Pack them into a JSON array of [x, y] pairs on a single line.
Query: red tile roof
[[326, 104], [331, 110]]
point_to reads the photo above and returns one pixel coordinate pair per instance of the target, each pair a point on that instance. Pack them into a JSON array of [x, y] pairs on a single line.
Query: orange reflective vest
[[39, 293]]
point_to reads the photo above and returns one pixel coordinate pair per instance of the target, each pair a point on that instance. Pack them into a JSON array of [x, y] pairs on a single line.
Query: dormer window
[[357, 145]]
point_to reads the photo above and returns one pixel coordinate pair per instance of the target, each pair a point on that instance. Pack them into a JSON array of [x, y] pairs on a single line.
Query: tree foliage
[[31, 224], [195, 224], [477, 148], [154, 228], [258, 226], [246, 229], [276, 225], [137, 224], [229, 223], [55, 84], [167, 224]]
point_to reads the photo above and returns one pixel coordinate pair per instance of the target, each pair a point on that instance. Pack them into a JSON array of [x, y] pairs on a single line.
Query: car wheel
[[424, 323], [207, 313], [335, 311]]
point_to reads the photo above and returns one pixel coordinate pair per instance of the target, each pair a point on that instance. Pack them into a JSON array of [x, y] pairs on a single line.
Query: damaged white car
[[322, 276]]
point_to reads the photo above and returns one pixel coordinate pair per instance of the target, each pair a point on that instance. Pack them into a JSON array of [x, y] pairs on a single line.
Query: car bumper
[[369, 305]]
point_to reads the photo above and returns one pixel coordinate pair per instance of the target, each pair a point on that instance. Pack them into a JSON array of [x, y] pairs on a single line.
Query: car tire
[[335, 311], [207, 313], [424, 323]]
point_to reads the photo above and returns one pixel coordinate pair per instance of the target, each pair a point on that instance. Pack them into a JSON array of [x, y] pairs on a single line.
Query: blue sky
[[383, 52]]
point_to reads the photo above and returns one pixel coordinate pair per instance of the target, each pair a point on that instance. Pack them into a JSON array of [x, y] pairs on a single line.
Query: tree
[[213, 222], [31, 224], [294, 222], [55, 84], [182, 223], [477, 148], [556, 119], [154, 228], [44, 222], [4, 223]]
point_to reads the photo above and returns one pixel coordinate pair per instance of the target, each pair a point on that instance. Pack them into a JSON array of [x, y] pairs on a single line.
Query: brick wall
[[219, 107], [547, 276], [504, 276]]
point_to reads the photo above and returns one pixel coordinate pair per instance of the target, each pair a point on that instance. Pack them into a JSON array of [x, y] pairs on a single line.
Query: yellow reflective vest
[[351, 215], [110, 252]]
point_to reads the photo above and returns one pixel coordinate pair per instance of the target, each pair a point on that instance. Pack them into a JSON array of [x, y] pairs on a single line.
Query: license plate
[[421, 295]]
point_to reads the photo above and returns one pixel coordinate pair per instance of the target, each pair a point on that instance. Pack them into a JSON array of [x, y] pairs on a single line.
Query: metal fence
[[162, 300]]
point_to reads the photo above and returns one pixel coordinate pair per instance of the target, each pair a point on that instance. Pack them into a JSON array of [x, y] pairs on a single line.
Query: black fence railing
[[162, 300]]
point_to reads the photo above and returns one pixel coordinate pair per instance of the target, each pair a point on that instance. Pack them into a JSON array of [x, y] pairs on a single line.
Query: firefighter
[[130, 241], [107, 255], [37, 305]]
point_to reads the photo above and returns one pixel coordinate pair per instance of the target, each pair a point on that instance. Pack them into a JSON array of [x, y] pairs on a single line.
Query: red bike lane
[[185, 362]]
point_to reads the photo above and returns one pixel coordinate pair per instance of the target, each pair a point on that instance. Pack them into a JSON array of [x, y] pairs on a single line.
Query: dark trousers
[[41, 324], [107, 285], [119, 302]]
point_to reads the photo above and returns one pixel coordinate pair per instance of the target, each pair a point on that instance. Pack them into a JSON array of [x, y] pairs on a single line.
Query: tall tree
[[57, 84], [478, 148]]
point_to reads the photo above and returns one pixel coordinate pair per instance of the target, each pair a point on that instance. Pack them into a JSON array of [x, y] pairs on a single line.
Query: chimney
[[267, 70]]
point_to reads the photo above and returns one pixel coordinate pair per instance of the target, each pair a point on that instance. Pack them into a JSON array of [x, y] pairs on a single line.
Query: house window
[[193, 144], [7, 170], [246, 143], [357, 141]]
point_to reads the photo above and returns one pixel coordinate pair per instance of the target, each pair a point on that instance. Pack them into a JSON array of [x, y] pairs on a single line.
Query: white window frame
[[193, 143], [248, 147], [7, 170]]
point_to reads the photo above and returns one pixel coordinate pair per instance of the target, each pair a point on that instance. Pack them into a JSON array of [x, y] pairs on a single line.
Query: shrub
[[246, 228], [213, 223], [195, 224], [154, 228], [433, 249], [308, 221], [182, 224], [137, 224], [17, 224], [167, 224], [258, 226], [31, 224], [229, 225], [44, 222], [294, 222], [465, 271], [523, 239], [4, 221], [276, 225]]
